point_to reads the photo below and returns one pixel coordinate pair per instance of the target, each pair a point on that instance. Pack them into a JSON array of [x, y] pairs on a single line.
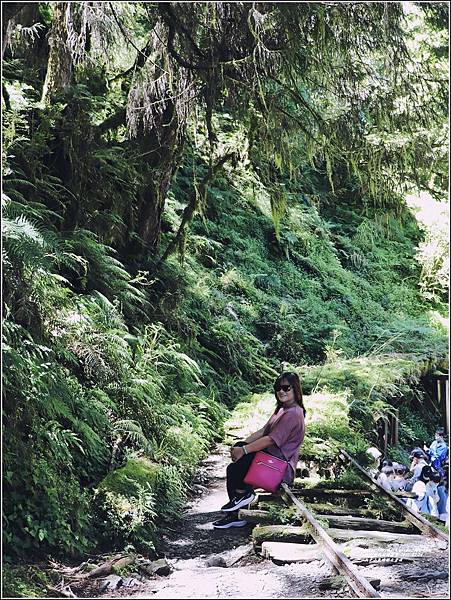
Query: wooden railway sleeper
[[344, 566]]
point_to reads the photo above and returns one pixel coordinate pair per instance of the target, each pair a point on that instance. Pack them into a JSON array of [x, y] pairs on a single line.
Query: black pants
[[236, 472]]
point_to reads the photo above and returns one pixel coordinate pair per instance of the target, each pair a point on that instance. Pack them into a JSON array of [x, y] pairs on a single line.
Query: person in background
[[374, 455], [281, 436], [386, 477], [426, 497], [438, 450], [442, 489], [399, 481], [447, 512], [432, 495], [419, 460]]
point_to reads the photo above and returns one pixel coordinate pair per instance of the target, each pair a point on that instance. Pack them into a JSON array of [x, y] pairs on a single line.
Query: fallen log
[[109, 566]]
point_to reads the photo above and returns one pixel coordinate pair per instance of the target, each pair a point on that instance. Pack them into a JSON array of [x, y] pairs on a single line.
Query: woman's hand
[[236, 452]]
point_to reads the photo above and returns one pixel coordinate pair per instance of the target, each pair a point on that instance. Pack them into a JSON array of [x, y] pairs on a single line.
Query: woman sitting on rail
[[281, 436]]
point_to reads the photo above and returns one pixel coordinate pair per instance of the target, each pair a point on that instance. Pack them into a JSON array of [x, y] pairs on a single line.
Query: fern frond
[[131, 430]]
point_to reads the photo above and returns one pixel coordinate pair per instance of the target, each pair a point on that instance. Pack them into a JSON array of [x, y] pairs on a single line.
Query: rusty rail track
[[416, 519], [359, 584]]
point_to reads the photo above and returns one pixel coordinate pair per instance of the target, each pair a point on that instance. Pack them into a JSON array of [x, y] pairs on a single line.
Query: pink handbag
[[266, 472]]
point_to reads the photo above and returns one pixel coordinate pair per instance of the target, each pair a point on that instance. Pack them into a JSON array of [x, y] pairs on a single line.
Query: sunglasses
[[285, 388]]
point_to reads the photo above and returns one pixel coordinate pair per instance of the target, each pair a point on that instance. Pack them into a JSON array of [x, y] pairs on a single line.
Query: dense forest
[[196, 195]]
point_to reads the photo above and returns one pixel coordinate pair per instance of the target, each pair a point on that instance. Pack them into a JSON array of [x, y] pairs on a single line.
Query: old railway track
[[339, 531]]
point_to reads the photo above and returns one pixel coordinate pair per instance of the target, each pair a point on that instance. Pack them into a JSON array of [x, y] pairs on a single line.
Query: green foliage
[[133, 499], [25, 581], [414, 432], [347, 480], [301, 253], [382, 508], [125, 521], [285, 515]]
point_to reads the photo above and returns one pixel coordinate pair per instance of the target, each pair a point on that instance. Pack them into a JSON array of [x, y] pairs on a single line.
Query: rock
[[199, 489], [216, 561], [332, 583], [130, 582], [376, 583], [155, 567], [111, 582]]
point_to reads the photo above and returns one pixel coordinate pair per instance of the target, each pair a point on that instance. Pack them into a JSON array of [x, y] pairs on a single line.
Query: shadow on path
[[195, 537]]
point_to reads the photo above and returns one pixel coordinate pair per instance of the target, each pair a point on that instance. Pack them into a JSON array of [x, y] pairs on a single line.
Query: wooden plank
[[415, 518], [280, 533], [346, 535], [268, 497], [283, 553], [344, 522], [332, 552], [332, 509], [331, 494], [255, 516]]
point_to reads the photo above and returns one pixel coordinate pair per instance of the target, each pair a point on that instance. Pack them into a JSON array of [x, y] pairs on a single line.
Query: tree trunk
[[9, 11], [59, 66], [163, 148]]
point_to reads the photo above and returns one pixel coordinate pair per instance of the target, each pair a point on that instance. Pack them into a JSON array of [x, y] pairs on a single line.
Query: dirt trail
[[209, 563]]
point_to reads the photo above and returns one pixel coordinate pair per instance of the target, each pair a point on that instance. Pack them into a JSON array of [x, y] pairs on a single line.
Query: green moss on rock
[[130, 478]]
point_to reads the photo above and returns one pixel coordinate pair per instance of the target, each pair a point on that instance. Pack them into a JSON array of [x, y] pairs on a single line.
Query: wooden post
[[397, 427], [394, 428], [385, 419]]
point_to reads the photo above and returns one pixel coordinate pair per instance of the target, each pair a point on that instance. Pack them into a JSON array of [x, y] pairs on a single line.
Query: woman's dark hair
[[436, 477], [426, 473], [295, 382]]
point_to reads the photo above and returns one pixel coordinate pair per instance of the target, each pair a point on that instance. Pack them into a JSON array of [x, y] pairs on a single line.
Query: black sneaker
[[238, 502], [229, 521]]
